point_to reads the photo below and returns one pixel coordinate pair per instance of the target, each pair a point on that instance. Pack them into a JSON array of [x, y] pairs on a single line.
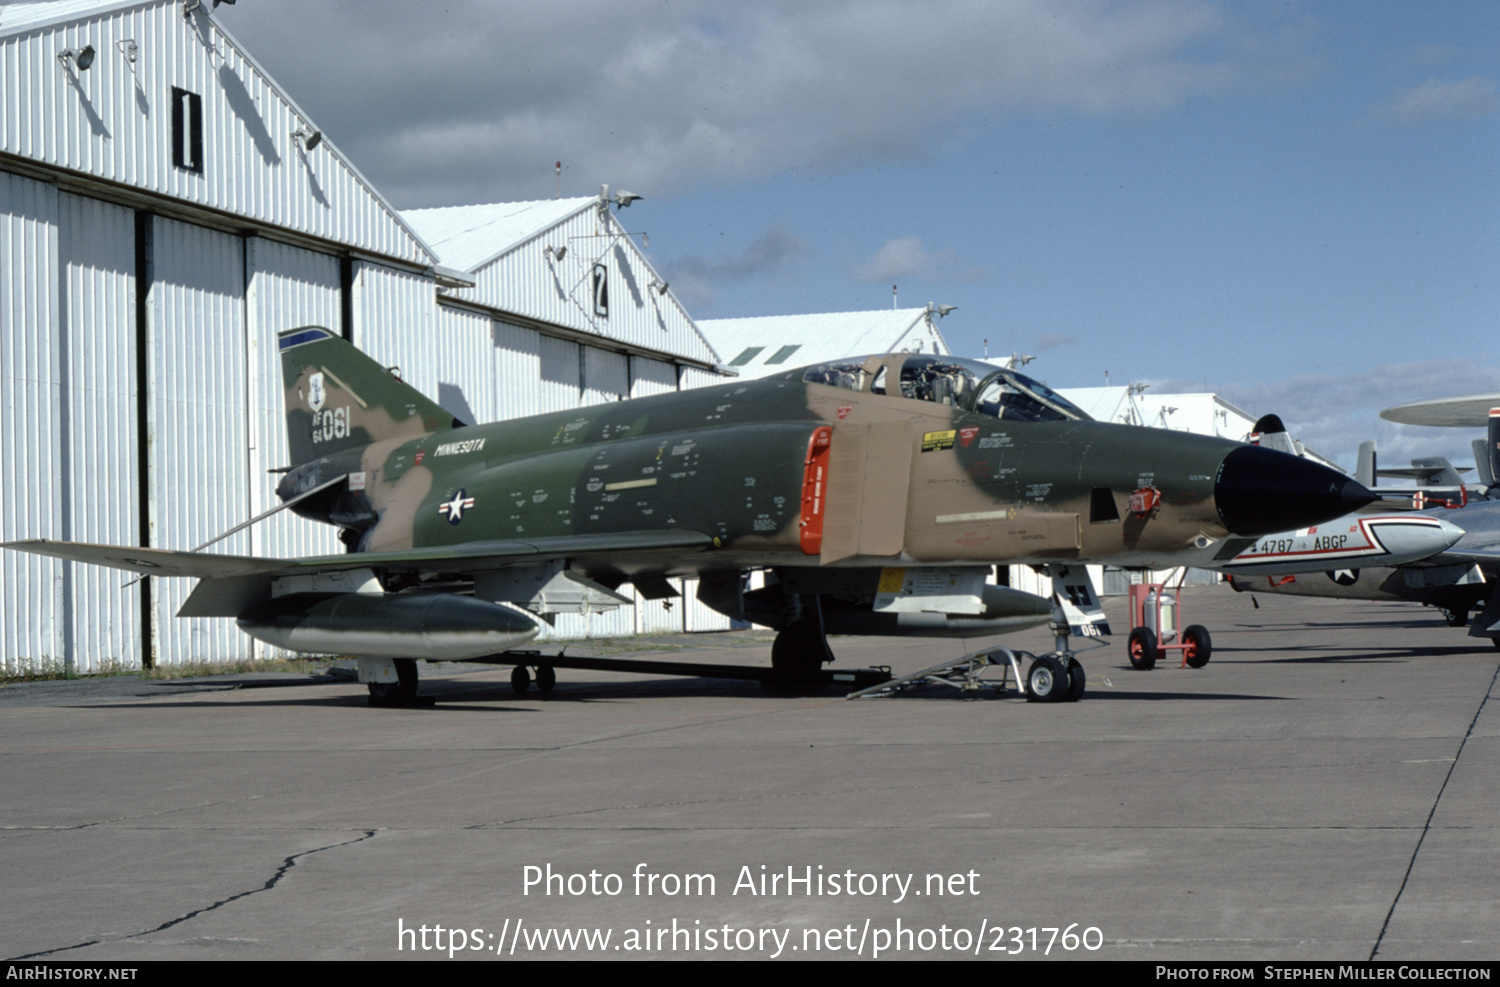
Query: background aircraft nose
[[1260, 491]]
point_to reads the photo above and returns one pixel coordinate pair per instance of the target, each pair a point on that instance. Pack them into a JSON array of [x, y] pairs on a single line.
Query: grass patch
[[48, 669], [196, 669]]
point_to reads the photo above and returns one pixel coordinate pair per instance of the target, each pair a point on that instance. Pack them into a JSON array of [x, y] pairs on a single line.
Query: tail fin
[[337, 398], [1493, 459], [1270, 433], [1365, 466]]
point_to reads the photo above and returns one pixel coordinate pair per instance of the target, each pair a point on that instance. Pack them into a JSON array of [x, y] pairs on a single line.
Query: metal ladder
[[965, 674]]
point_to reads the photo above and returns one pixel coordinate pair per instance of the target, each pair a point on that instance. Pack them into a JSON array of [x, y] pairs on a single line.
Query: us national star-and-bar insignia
[[455, 508]]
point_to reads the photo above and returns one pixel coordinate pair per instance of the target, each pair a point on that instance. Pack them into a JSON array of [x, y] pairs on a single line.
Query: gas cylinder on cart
[[1161, 615]]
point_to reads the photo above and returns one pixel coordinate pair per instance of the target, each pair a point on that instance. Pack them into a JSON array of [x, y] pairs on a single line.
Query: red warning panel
[[815, 489]]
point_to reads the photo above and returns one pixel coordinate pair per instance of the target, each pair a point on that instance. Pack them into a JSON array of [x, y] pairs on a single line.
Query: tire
[[1197, 645], [520, 679], [1046, 681], [403, 690], [546, 677], [1076, 681], [1142, 648], [1455, 618], [800, 649]]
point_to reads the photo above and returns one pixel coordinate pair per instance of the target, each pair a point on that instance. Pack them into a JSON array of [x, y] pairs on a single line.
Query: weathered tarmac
[[1325, 789]]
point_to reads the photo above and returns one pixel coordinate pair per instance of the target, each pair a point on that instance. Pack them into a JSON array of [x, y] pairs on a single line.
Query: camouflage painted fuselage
[[778, 472]]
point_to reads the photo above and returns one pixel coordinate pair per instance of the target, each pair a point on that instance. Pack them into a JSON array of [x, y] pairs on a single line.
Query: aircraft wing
[[468, 557]]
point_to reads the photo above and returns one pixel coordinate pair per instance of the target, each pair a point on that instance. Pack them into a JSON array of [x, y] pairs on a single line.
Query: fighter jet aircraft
[[1459, 579], [874, 493]]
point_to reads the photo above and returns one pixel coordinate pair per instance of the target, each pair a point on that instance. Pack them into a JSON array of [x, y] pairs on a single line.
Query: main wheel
[[1142, 648], [403, 690], [1197, 645], [1076, 680], [546, 677], [520, 679], [1455, 618], [800, 649], [1046, 681]]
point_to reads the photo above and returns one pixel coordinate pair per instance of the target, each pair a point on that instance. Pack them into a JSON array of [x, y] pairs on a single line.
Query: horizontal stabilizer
[[469, 557]]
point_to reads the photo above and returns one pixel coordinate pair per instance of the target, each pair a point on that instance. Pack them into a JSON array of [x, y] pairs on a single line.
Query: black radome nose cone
[[1261, 491]]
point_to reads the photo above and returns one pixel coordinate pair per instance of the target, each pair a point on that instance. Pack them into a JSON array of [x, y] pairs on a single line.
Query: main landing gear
[[801, 647]]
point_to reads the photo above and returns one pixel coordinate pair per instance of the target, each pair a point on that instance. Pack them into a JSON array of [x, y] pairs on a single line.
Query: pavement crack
[[1427, 826], [286, 865]]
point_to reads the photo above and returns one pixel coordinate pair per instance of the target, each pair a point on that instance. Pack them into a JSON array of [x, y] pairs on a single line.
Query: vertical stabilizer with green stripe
[[337, 398]]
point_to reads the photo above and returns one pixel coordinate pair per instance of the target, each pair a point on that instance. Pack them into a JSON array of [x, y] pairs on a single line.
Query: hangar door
[[198, 422]]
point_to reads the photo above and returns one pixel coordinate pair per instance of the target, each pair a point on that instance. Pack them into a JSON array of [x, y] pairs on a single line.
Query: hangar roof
[[562, 262], [764, 345], [112, 122], [21, 16], [469, 237]]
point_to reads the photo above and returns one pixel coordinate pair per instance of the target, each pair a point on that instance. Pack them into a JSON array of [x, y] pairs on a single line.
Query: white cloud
[[896, 259], [1052, 341], [1333, 413], [694, 278], [475, 101], [1435, 100]]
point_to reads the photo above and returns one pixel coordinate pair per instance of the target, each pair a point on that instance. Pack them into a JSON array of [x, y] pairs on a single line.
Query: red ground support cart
[[1154, 615]]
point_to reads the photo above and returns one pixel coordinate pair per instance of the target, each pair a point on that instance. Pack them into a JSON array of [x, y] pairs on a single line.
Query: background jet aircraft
[[875, 494], [1460, 579]]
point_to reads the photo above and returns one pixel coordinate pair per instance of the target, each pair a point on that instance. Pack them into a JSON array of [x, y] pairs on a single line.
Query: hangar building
[[765, 345], [165, 209]]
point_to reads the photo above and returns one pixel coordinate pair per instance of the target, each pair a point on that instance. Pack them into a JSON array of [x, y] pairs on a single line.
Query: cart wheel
[[1142, 646], [520, 679], [546, 677], [1076, 680], [1046, 681], [1197, 645]]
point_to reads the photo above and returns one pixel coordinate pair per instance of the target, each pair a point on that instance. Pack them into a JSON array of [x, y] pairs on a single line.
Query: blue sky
[[1294, 204]]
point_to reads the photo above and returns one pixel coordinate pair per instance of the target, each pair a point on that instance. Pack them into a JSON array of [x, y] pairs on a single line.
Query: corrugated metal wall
[[692, 378], [606, 376], [562, 386], [395, 322], [198, 422], [518, 371], [113, 121], [98, 438], [31, 624], [467, 384], [648, 376], [288, 287], [76, 361]]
